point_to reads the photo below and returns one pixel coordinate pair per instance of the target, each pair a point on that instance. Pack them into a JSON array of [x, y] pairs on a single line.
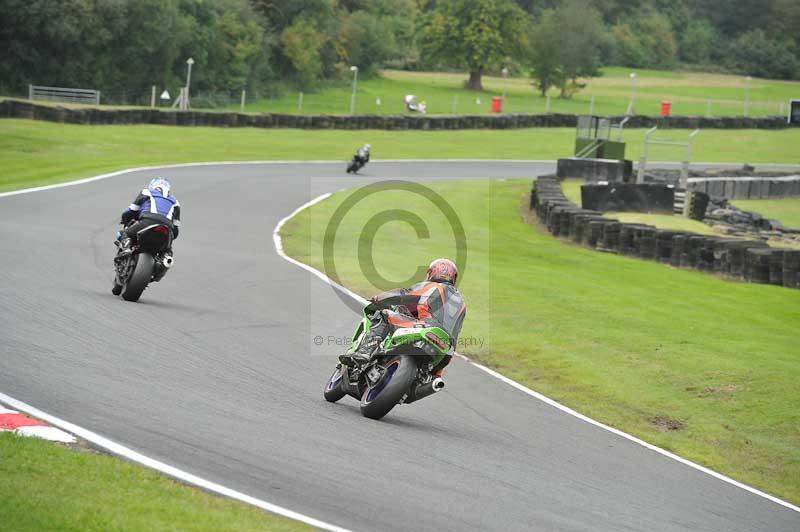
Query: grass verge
[[39, 153], [45, 486], [704, 367]]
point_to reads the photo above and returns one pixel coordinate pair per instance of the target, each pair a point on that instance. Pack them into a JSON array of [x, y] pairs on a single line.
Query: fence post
[[153, 97], [547, 105], [591, 106], [244, 98], [708, 108], [455, 105], [685, 165], [300, 102], [643, 157], [747, 97], [30, 92]]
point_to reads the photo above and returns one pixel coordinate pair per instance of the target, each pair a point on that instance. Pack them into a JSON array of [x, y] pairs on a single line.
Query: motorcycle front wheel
[[333, 390], [380, 397], [137, 282]]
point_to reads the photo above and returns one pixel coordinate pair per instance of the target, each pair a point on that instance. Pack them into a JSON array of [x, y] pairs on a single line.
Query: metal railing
[[63, 94], [648, 141]]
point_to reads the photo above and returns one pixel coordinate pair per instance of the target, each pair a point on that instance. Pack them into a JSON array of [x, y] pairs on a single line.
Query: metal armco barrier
[[65, 95]]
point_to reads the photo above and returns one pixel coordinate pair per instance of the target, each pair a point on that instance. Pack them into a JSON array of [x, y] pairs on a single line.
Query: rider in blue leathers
[[153, 204]]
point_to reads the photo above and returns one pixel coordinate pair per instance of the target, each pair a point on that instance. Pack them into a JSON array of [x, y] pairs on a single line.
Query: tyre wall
[[747, 187], [622, 197], [95, 116], [746, 260]]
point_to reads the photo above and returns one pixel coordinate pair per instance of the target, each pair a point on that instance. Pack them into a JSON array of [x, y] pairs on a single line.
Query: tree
[[302, 42], [366, 40], [645, 39], [566, 45], [477, 34], [581, 37], [756, 54], [697, 42], [544, 55]]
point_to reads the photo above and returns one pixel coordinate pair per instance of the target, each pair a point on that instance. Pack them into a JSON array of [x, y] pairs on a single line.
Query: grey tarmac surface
[[214, 372]]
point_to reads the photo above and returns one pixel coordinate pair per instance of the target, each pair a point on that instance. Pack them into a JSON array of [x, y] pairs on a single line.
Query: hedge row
[[23, 109], [747, 260]]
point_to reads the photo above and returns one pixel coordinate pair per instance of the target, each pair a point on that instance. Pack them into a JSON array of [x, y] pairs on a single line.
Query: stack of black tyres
[[644, 242], [665, 240], [791, 268], [749, 260], [756, 265]]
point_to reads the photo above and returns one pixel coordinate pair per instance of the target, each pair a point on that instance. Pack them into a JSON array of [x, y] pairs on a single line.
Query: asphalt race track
[[211, 372]]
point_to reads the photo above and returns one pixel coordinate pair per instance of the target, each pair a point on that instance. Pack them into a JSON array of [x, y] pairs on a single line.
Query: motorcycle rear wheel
[[138, 280], [378, 399]]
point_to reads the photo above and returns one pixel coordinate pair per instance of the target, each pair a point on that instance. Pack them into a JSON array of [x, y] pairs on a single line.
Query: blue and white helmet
[[161, 184]]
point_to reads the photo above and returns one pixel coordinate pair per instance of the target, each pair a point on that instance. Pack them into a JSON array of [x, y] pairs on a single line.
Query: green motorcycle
[[399, 371]]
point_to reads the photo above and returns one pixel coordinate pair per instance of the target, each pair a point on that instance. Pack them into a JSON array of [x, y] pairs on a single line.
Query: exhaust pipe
[[420, 392], [168, 261]]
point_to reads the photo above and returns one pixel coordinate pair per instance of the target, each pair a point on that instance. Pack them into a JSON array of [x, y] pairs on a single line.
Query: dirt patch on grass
[[665, 423], [528, 214], [725, 390]]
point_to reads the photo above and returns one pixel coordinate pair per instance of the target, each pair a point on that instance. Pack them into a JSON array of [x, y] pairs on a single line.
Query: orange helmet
[[442, 271]]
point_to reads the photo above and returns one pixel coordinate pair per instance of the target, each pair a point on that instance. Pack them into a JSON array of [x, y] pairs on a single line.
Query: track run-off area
[[211, 379]]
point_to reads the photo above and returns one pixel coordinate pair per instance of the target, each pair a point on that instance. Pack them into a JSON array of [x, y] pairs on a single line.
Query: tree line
[[125, 46]]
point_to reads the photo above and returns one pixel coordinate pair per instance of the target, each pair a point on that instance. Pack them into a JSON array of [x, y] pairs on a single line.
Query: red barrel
[[497, 104], [666, 107]]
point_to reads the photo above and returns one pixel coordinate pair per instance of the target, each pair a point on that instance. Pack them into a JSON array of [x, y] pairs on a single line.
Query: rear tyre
[[137, 282], [333, 390], [378, 399]]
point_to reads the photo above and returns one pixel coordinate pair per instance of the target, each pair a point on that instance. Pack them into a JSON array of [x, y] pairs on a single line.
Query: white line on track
[[276, 238], [174, 472], [524, 389]]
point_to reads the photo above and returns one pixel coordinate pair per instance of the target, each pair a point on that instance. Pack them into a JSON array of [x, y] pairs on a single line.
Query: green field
[[44, 486], [38, 153], [698, 365], [689, 93]]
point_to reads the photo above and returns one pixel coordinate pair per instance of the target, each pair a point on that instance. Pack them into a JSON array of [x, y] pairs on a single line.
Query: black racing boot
[[364, 353]]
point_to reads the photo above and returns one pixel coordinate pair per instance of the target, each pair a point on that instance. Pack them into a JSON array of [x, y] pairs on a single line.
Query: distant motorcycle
[[148, 261], [360, 158], [400, 371], [355, 165]]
